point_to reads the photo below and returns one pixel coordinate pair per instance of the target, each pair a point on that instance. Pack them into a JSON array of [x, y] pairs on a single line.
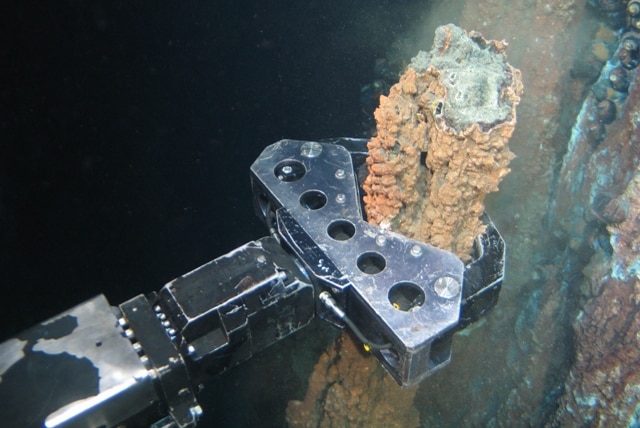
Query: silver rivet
[[381, 240], [446, 287], [311, 149], [416, 251], [261, 259], [340, 174], [196, 411], [341, 198], [287, 169]]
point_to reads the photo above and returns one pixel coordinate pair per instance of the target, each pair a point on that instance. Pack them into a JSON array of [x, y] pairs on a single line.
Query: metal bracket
[[395, 289]]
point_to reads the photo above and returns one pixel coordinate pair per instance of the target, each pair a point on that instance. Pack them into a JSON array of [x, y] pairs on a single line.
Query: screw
[[416, 251], [340, 174], [311, 149], [446, 287]]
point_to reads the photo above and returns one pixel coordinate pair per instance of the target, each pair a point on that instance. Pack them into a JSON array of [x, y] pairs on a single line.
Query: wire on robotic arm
[[330, 303]]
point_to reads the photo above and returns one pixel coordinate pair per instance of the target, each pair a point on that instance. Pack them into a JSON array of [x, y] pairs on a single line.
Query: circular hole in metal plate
[[371, 263], [341, 230], [406, 296], [313, 200], [289, 170]]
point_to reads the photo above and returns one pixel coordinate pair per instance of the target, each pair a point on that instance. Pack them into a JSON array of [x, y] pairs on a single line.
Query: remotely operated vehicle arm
[[141, 362]]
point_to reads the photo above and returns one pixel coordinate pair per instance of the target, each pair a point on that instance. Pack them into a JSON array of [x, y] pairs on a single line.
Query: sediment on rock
[[350, 389]]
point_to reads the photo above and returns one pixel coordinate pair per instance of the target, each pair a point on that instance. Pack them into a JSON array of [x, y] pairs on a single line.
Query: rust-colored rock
[[442, 141], [598, 204], [349, 389], [603, 386], [623, 213]]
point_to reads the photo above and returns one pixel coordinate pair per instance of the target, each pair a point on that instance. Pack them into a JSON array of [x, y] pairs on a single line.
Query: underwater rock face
[[603, 386], [623, 214], [442, 141]]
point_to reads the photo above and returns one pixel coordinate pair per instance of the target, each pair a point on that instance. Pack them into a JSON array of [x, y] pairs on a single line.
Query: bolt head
[[416, 251], [447, 287], [311, 149]]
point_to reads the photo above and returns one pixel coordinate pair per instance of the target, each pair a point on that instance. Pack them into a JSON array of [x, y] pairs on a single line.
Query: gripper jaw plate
[[395, 289]]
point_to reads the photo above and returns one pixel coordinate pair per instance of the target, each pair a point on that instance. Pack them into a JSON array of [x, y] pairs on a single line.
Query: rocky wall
[[597, 205], [576, 355]]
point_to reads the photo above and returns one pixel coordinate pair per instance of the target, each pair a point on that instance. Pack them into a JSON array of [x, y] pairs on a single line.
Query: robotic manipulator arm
[[140, 363]]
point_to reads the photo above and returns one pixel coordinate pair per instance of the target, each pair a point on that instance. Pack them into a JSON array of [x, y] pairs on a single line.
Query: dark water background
[[126, 134]]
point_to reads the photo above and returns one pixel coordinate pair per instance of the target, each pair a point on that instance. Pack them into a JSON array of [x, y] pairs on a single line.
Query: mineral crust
[[603, 386], [442, 141], [349, 389], [601, 178]]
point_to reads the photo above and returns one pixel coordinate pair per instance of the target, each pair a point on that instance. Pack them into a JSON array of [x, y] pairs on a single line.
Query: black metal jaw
[[407, 295], [225, 311]]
